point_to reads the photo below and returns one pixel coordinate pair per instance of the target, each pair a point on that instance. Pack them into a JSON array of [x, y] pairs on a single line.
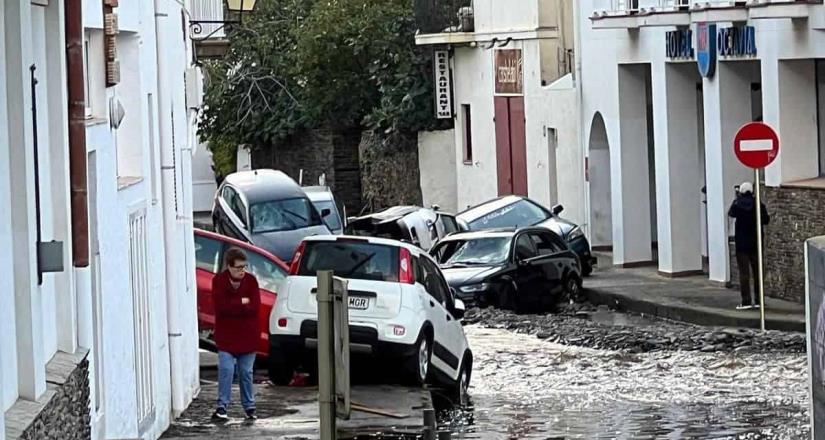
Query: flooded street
[[526, 388]]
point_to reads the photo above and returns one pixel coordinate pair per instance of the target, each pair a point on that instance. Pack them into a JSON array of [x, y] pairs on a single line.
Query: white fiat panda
[[401, 310]]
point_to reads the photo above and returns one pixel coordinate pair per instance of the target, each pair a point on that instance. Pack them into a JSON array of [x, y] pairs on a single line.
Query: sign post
[[757, 145]]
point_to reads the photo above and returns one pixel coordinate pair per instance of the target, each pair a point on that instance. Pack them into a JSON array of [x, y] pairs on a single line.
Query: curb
[[704, 316]]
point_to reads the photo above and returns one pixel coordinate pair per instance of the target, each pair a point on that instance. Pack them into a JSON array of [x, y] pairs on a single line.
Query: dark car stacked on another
[[524, 269], [268, 209], [519, 212]]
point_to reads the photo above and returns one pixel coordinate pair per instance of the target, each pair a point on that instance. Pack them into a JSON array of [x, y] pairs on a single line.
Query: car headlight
[[575, 233], [473, 288]]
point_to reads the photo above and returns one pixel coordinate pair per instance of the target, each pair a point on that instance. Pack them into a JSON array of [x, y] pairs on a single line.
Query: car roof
[[488, 207], [318, 193], [371, 240], [240, 244], [265, 185]]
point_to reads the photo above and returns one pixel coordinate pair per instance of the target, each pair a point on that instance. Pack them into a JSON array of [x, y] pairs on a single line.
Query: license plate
[[357, 303]]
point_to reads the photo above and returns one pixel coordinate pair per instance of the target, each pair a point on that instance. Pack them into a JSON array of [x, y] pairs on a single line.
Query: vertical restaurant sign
[[509, 73], [443, 86]]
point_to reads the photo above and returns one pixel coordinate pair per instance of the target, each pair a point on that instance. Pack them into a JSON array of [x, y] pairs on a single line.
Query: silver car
[[322, 198], [268, 209]]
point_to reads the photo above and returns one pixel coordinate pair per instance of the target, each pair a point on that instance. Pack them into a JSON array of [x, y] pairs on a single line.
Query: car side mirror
[[558, 209], [326, 212], [459, 310]]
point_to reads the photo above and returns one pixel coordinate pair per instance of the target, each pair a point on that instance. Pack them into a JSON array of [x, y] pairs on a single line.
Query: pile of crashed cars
[[412, 271]]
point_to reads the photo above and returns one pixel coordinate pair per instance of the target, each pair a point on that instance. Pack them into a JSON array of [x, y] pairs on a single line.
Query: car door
[[551, 260], [529, 274], [270, 275], [208, 261], [444, 354], [234, 215]]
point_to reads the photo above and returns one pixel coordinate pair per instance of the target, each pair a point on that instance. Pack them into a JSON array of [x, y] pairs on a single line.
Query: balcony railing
[[207, 10], [444, 16]]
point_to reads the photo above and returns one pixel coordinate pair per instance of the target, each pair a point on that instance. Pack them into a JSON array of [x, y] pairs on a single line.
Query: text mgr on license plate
[[359, 303]]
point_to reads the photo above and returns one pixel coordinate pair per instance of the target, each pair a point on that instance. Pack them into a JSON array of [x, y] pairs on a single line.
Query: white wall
[[786, 94], [546, 107], [503, 16], [437, 164], [203, 179]]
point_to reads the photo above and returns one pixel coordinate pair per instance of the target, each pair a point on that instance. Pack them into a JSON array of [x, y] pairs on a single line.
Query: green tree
[[308, 63]]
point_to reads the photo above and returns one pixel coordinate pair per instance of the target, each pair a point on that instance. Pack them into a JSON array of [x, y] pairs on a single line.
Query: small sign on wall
[[443, 86], [509, 72]]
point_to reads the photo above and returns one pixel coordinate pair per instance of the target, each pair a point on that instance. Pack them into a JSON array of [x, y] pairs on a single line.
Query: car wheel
[[280, 371], [418, 363], [573, 288], [460, 388]]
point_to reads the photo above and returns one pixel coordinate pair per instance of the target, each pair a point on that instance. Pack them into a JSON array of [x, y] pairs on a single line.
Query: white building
[[513, 101], [131, 312], [656, 130]]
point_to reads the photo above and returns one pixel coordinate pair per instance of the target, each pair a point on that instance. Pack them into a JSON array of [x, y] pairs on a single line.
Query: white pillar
[[727, 108], [8, 347], [678, 171], [630, 172], [28, 311], [790, 107]]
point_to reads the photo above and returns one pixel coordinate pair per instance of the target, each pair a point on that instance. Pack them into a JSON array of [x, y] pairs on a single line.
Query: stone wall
[[62, 413], [389, 173], [333, 153], [797, 214]]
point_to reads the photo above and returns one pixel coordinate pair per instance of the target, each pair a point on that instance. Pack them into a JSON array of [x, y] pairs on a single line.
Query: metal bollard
[[429, 418], [445, 435], [429, 433]]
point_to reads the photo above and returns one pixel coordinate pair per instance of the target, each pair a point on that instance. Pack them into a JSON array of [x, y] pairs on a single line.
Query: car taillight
[[282, 323], [405, 270], [296, 259]]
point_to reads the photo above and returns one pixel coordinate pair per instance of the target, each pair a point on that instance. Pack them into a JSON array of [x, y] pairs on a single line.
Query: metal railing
[[444, 16], [207, 10]]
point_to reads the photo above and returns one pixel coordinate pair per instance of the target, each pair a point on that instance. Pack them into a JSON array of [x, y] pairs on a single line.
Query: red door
[[511, 145]]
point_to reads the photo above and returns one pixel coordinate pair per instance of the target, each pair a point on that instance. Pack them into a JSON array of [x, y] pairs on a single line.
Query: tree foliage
[[298, 64]]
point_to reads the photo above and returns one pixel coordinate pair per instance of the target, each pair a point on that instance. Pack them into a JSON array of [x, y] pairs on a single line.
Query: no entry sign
[[756, 145]]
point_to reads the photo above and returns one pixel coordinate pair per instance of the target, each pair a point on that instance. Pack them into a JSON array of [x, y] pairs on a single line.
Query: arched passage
[[601, 214]]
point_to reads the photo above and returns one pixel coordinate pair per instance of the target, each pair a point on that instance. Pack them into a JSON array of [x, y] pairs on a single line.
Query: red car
[[267, 268]]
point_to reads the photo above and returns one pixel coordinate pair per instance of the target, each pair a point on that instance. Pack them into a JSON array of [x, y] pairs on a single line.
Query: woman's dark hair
[[234, 255]]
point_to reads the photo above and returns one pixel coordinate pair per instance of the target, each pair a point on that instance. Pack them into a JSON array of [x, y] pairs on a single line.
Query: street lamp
[[236, 7]]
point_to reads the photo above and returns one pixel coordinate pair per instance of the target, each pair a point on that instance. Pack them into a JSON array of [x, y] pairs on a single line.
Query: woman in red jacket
[[237, 300]]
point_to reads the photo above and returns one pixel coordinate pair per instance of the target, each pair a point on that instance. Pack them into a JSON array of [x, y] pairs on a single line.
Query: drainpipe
[[168, 188], [78, 169]]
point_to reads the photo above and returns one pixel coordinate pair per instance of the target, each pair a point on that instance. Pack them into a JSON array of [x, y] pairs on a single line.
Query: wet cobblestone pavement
[[528, 388]]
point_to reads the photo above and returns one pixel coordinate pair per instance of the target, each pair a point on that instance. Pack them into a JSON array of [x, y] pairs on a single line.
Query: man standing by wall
[[237, 300], [743, 210]]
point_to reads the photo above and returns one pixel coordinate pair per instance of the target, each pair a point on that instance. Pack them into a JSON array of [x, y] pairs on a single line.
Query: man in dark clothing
[[743, 210], [237, 332]]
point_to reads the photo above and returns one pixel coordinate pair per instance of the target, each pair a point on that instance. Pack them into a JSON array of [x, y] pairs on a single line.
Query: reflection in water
[[526, 388]]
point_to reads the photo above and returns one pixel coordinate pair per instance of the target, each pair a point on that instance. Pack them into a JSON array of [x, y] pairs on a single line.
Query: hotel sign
[[711, 44], [509, 73], [443, 86]]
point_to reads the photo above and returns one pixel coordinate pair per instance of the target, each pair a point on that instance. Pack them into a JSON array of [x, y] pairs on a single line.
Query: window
[[525, 248], [207, 254], [231, 197], [545, 244], [481, 251], [269, 274], [353, 260], [466, 122], [88, 81], [432, 281], [333, 221], [283, 215], [519, 214]]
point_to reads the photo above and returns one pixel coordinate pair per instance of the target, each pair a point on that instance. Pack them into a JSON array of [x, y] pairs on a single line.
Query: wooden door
[[511, 145]]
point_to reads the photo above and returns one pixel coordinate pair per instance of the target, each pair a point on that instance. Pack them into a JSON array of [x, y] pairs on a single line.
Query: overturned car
[[422, 227]]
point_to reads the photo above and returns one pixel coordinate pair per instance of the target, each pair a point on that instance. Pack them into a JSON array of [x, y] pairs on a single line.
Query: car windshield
[[480, 251], [283, 215], [353, 260], [332, 221], [518, 214]]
